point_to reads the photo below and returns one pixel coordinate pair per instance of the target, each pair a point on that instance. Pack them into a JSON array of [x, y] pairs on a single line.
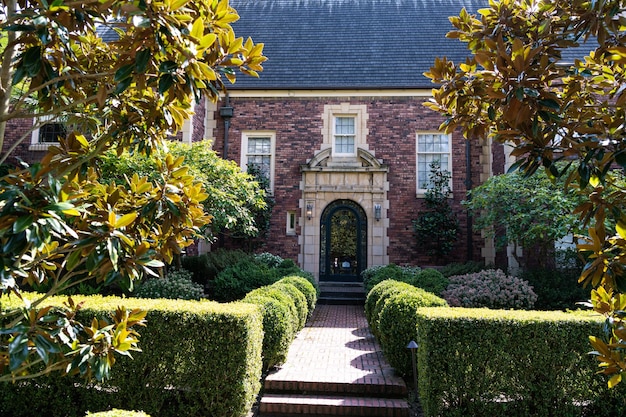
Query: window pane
[[344, 125], [344, 144], [50, 132], [431, 147], [259, 146]]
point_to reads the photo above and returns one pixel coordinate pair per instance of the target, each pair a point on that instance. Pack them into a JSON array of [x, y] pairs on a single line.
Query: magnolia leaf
[[197, 29], [125, 220], [615, 379], [620, 227]]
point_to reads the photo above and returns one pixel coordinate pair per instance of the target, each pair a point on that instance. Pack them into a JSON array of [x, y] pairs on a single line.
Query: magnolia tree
[[61, 224], [516, 88]]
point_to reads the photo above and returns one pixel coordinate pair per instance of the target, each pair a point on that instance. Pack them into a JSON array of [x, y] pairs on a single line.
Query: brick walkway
[[335, 367]]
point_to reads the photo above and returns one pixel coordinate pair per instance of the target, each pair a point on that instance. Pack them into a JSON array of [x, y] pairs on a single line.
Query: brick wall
[[392, 124], [15, 129]]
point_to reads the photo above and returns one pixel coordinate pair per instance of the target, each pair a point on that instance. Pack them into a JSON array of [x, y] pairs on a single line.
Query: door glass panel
[[343, 242]]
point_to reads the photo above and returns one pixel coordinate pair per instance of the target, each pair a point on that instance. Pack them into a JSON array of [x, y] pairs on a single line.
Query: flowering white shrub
[[176, 285], [269, 259], [489, 288]]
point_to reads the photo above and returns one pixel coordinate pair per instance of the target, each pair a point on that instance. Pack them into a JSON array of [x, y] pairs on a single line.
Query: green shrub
[[398, 324], [387, 291], [198, 358], [236, 281], [491, 289], [283, 298], [391, 271], [305, 286], [298, 298], [176, 285], [480, 362], [277, 326], [205, 268], [372, 299], [458, 268], [430, 280], [556, 289], [118, 413], [198, 266]]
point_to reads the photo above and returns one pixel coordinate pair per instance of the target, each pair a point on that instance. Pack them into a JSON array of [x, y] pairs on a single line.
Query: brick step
[[366, 387], [273, 405]]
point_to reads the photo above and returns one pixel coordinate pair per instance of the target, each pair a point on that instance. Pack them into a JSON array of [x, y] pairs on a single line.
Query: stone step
[[273, 405]]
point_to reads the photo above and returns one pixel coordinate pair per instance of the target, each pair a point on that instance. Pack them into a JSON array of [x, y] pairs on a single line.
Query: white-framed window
[[46, 134], [291, 222], [344, 135], [432, 146], [258, 149], [345, 129]]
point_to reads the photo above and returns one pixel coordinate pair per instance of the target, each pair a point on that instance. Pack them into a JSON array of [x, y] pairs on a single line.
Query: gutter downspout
[[468, 187], [226, 112]]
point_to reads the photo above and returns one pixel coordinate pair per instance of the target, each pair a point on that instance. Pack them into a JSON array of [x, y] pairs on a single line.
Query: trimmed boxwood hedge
[[298, 299], [278, 327], [306, 287], [397, 324], [378, 298], [198, 358], [480, 362], [285, 310]]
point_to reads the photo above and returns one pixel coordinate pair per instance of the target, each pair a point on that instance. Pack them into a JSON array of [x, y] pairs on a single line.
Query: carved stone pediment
[[364, 160]]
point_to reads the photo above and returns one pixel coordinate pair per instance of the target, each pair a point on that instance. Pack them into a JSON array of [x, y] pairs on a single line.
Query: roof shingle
[[349, 44]]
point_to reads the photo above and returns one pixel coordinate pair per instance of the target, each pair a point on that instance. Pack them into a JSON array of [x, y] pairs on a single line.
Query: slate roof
[[349, 44]]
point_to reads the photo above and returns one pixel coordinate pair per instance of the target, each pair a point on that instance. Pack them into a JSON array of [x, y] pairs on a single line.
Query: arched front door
[[343, 242]]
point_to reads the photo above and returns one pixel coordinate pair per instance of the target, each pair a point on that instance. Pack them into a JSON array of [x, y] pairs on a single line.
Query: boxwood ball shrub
[[395, 287], [398, 324], [372, 298], [298, 298], [282, 297], [491, 289], [430, 280], [278, 328], [177, 284], [306, 287]]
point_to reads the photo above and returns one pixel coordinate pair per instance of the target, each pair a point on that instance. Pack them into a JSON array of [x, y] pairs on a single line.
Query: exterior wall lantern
[[377, 211], [309, 210]]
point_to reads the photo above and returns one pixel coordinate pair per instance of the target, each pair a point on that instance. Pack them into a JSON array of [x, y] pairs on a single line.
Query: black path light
[[413, 347]]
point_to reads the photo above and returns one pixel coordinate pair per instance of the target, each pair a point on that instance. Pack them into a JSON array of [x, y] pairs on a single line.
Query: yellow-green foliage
[[199, 357], [475, 362], [278, 328], [306, 288], [298, 298], [397, 323], [118, 413]]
